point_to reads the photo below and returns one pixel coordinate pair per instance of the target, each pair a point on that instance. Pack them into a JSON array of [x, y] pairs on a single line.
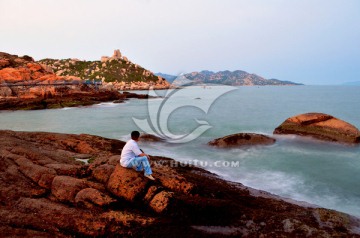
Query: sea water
[[321, 173]]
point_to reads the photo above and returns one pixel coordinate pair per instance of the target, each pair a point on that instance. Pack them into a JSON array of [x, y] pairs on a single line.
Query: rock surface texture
[[242, 139], [320, 126], [47, 192]]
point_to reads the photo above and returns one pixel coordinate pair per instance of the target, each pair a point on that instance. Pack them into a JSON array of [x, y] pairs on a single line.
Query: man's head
[[135, 135]]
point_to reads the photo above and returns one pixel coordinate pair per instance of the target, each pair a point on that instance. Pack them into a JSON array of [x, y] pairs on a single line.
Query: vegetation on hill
[[234, 78], [113, 70]]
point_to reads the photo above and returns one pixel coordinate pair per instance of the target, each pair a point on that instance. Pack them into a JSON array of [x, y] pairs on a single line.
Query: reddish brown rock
[[127, 183], [189, 201], [65, 188], [29, 85], [66, 169], [4, 63], [320, 126], [103, 172], [33, 171], [171, 179], [242, 139], [89, 197], [46, 180], [49, 215], [151, 193], [161, 201]]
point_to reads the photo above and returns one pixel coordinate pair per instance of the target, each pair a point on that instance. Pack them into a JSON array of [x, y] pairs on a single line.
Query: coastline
[[71, 100], [47, 178]]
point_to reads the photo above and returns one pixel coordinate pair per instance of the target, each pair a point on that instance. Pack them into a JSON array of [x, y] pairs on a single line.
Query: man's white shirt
[[130, 151]]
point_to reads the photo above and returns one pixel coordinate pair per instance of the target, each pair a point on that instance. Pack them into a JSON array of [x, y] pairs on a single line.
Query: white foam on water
[[106, 104]]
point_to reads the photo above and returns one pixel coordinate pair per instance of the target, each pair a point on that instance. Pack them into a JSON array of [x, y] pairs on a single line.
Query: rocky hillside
[[235, 78], [25, 84], [48, 191], [116, 70]]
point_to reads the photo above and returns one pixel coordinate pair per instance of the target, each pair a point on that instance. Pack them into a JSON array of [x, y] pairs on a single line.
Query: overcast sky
[[306, 41]]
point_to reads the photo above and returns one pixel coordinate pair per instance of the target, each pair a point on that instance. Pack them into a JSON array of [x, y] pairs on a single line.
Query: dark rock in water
[[242, 139], [151, 138], [46, 192], [134, 95], [320, 126], [119, 101]]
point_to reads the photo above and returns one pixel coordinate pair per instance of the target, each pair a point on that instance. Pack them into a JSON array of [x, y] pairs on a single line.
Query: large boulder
[[161, 201], [89, 197], [242, 139], [320, 126], [65, 188], [127, 183], [103, 172]]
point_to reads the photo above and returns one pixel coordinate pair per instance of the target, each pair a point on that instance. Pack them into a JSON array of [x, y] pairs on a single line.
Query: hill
[[117, 71], [234, 78], [26, 84]]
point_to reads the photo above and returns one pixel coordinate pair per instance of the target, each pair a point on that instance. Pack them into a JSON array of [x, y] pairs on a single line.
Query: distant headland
[[233, 78]]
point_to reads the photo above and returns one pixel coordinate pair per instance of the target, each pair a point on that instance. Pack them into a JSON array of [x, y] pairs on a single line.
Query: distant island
[[234, 78]]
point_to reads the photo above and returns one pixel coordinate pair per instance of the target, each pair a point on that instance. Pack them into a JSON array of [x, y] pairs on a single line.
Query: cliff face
[[21, 77], [47, 191], [117, 71], [235, 78]]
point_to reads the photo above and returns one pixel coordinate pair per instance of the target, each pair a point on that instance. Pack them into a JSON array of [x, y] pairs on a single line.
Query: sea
[[325, 174]]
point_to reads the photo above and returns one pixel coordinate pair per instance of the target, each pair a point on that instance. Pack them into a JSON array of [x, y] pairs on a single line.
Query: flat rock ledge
[[242, 139], [320, 126], [46, 192]]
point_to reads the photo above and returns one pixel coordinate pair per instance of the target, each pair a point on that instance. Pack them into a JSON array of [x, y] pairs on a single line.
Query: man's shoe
[[149, 176]]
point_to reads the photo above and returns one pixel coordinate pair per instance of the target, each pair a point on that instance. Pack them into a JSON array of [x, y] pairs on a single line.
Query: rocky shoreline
[[73, 100], [27, 85], [48, 191]]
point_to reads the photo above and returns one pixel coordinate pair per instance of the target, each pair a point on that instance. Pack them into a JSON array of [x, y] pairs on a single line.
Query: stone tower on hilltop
[[116, 56]]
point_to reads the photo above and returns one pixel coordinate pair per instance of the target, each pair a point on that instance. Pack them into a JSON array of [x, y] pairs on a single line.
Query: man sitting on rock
[[133, 157]]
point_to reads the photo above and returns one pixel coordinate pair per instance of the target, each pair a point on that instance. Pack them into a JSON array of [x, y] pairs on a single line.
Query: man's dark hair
[[135, 135]]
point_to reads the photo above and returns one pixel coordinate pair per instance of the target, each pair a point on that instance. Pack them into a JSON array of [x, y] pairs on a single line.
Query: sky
[[315, 42]]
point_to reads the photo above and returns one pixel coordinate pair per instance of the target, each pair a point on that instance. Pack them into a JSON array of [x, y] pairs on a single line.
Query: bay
[[321, 173]]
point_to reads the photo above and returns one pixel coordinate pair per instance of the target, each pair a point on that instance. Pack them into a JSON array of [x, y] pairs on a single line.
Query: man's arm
[[143, 154]]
